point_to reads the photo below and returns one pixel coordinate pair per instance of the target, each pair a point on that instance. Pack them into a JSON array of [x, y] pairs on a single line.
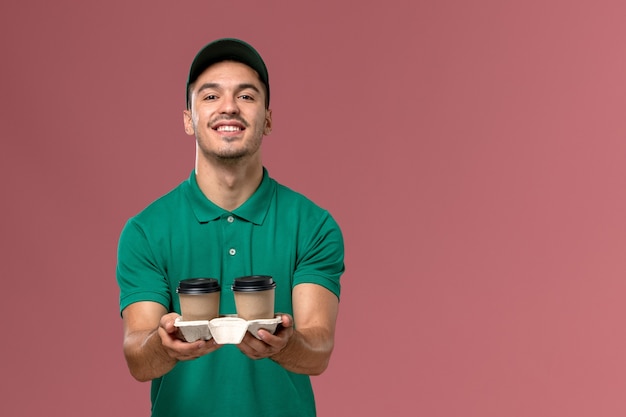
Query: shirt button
[[230, 219], [232, 251]]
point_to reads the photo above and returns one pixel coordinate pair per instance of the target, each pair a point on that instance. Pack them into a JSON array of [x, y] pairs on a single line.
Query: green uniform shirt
[[277, 232]]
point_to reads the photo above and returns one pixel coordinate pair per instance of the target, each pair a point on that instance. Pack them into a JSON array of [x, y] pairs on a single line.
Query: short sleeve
[[321, 259], [139, 274]]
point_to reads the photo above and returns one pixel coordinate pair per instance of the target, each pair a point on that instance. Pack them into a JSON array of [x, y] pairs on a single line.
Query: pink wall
[[473, 153]]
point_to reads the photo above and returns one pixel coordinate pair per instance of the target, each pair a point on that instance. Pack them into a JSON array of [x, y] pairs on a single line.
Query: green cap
[[228, 49]]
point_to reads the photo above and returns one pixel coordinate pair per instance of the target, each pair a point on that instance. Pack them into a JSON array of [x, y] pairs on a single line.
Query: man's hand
[[303, 343], [177, 348], [270, 344], [152, 346]]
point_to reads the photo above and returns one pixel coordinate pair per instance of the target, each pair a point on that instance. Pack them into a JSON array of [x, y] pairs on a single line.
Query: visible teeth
[[228, 128]]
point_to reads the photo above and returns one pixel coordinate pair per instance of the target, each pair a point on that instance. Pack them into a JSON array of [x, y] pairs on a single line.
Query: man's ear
[[268, 122], [188, 122]]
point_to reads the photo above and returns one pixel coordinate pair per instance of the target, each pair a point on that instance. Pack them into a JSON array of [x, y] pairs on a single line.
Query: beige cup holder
[[225, 330]]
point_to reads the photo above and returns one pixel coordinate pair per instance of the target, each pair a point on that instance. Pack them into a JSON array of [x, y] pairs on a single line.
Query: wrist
[[284, 352]]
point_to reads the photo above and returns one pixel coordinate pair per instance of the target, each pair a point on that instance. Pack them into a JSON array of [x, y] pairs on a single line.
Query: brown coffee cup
[[254, 297], [199, 298]]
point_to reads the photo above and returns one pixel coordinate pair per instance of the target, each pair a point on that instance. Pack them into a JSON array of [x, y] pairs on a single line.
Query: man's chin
[[232, 156]]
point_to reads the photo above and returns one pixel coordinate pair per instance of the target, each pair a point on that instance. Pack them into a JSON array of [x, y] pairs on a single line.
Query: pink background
[[473, 153]]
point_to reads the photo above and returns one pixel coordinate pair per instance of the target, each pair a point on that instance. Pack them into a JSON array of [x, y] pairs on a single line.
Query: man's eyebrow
[[206, 86], [240, 87], [250, 86]]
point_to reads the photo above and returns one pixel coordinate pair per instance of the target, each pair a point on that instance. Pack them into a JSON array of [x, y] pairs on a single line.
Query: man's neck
[[229, 185]]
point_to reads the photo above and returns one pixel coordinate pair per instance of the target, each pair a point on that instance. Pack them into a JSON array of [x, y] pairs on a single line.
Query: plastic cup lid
[[198, 286], [253, 283]]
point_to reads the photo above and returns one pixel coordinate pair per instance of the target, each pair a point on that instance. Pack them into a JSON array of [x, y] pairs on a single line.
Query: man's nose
[[229, 105]]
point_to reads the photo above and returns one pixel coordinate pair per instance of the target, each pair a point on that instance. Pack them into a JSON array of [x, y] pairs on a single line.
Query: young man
[[230, 219]]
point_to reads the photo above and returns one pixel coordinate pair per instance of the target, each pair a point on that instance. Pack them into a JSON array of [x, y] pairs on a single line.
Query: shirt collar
[[253, 210]]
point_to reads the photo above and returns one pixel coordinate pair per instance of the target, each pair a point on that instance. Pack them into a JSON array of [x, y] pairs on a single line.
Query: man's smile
[[228, 128]]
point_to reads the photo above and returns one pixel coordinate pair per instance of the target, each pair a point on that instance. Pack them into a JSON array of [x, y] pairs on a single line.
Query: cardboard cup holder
[[225, 330]]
